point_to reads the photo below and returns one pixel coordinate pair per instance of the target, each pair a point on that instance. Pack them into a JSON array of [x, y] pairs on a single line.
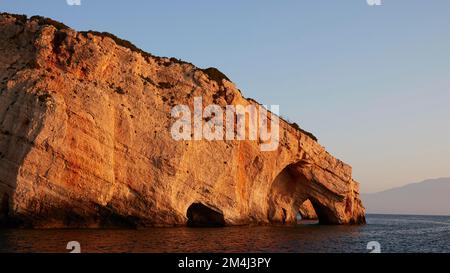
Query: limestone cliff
[[85, 142]]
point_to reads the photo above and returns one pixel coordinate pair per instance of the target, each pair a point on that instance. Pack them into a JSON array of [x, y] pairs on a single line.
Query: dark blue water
[[395, 233]]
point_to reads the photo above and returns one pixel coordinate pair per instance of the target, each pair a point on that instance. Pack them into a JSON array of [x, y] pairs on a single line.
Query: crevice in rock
[[4, 207], [283, 219]]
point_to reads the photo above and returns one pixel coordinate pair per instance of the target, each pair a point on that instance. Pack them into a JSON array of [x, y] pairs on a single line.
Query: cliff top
[[212, 72]]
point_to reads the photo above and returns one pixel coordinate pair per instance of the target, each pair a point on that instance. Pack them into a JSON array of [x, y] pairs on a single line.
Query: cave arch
[[292, 190], [200, 215]]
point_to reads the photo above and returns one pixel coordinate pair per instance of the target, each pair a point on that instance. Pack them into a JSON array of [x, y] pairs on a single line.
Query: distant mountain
[[429, 197]]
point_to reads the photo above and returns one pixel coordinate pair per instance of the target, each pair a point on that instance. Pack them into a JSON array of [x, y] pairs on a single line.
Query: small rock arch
[[292, 192]]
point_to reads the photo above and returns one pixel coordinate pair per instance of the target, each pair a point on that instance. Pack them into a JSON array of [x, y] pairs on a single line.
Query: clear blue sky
[[373, 83]]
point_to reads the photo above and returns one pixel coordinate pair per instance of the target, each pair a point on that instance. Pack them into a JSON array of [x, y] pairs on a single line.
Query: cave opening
[[293, 198], [325, 215], [200, 215]]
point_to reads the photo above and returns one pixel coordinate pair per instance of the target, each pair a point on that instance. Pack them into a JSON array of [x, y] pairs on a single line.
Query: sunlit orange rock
[[85, 142]]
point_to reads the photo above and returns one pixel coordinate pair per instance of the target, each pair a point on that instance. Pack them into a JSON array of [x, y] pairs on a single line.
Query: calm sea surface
[[395, 233]]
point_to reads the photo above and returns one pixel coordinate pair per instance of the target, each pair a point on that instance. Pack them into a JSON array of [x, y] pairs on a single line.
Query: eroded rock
[[85, 141]]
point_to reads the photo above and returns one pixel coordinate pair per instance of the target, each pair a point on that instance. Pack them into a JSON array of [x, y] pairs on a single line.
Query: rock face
[[307, 211], [85, 142]]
